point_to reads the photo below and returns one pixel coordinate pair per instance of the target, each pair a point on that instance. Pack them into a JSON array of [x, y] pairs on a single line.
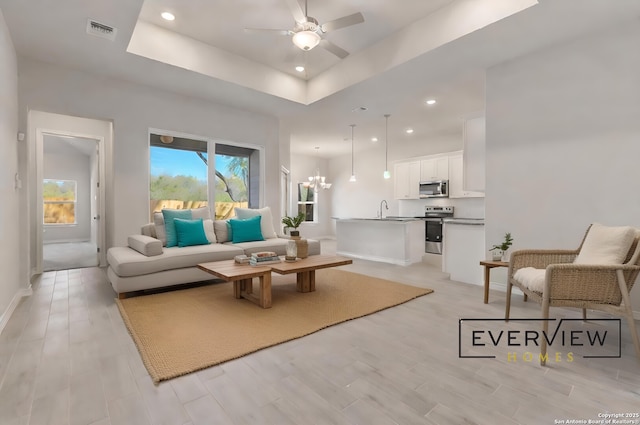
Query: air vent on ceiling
[[101, 30]]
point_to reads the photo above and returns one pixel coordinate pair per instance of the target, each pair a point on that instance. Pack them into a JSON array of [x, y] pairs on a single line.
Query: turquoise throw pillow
[[246, 230], [190, 232], [170, 228]]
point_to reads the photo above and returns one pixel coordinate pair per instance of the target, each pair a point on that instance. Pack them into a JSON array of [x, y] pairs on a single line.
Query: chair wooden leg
[[545, 330], [508, 303], [634, 333], [626, 300]]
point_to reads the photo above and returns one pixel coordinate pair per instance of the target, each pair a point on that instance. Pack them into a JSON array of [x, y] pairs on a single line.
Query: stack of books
[[264, 257]]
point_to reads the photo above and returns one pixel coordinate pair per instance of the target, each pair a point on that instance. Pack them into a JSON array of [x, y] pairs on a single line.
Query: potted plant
[[292, 223], [499, 250]]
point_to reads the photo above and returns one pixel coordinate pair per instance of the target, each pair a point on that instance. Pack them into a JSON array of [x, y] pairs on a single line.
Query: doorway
[[70, 202], [69, 155]]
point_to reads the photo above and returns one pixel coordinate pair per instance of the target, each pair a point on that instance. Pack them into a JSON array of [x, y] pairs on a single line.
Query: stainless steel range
[[434, 217]]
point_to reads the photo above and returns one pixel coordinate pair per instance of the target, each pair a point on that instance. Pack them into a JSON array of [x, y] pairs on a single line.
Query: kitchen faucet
[[386, 206]]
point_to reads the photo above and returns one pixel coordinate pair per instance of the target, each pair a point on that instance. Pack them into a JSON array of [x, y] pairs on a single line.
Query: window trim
[[314, 203], [74, 202], [211, 143]]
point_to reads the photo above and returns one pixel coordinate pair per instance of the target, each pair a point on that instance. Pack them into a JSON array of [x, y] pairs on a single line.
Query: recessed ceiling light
[[431, 102], [409, 130], [374, 139], [168, 16], [299, 68]]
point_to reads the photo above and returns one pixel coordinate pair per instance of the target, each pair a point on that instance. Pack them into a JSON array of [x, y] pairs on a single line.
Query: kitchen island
[[464, 249], [394, 240]]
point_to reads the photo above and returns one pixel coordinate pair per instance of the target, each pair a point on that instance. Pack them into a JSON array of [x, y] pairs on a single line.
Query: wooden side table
[[488, 265]]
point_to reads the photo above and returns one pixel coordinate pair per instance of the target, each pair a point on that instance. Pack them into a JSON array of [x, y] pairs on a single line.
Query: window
[[59, 198], [307, 202], [180, 170]]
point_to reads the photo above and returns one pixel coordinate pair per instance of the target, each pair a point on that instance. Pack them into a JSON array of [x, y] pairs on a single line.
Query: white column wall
[[563, 134]]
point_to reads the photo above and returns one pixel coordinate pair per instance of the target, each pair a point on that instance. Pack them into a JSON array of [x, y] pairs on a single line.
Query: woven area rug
[[183, 331]]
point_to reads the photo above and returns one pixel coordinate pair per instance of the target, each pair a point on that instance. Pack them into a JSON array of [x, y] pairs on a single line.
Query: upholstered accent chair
[[598, 275]]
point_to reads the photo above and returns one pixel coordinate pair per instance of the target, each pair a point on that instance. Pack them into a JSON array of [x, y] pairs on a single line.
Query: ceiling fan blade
[[296, 10], [345, 21], [267, 30], [338, 51]]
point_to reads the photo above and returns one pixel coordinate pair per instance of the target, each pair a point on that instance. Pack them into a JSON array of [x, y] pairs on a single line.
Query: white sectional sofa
[[146, 264]]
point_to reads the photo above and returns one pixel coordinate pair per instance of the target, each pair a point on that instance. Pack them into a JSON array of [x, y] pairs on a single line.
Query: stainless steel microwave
[[434, 189]]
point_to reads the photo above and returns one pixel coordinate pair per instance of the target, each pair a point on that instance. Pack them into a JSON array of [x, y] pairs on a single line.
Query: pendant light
[[386, 174], [352, 179]]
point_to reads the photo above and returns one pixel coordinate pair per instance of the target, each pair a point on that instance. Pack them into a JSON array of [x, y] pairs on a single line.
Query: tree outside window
[[179, 176]]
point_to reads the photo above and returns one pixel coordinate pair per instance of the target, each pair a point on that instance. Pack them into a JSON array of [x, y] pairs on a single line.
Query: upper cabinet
[[474, 154], [456, 172], [436, 168], [407, 180]]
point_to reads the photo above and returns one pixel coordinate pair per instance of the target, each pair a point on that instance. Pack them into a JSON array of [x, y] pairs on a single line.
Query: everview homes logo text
[[568, 338]]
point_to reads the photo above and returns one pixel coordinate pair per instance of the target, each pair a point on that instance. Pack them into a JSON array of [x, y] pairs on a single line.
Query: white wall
[[14, 282], [70, 164], [563, 141], [134, 109]]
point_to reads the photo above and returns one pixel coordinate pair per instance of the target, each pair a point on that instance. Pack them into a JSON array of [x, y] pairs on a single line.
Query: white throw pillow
[[209, 231], [606, 245], [222, 230], [202, 213], [531, 278], [266, 223], [161, 233]]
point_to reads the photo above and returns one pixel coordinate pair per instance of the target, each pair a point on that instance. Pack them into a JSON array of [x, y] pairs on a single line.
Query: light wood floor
[[66, 358]]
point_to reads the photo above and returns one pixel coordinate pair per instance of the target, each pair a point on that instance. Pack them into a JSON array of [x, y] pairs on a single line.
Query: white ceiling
[[221, 23], [405, 52]]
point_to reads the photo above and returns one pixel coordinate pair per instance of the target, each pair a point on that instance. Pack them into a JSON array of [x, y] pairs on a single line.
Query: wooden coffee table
[[242, 277], [305, 269]]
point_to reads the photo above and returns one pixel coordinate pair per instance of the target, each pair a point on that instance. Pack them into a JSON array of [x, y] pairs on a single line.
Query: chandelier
[[317, 182]]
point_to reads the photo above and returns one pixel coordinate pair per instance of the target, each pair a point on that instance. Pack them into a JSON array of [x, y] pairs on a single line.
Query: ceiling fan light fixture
[[306, 40]]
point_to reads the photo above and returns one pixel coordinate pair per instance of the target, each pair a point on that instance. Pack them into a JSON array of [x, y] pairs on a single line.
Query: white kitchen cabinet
[[407, 180], [434, 169], [456, 173], [474, 154]]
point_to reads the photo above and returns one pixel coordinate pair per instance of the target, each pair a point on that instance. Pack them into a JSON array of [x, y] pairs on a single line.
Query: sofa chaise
[[151, 261]]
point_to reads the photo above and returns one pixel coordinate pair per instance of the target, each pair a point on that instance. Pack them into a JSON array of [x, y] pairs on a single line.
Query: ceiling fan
[[307, 32]]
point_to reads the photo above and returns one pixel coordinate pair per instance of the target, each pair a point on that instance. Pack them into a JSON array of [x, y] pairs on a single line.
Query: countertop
[[385, 219], [466, 221]]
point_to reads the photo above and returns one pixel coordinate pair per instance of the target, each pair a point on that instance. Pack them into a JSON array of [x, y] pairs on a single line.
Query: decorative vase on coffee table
[[292, 250], [303, 248]]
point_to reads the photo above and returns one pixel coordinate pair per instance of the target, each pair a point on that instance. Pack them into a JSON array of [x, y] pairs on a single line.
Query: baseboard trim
[[4, 319], [377, 259]]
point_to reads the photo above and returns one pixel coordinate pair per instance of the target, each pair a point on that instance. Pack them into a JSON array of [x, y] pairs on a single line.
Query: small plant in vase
[[292, 223], [500, 250]]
